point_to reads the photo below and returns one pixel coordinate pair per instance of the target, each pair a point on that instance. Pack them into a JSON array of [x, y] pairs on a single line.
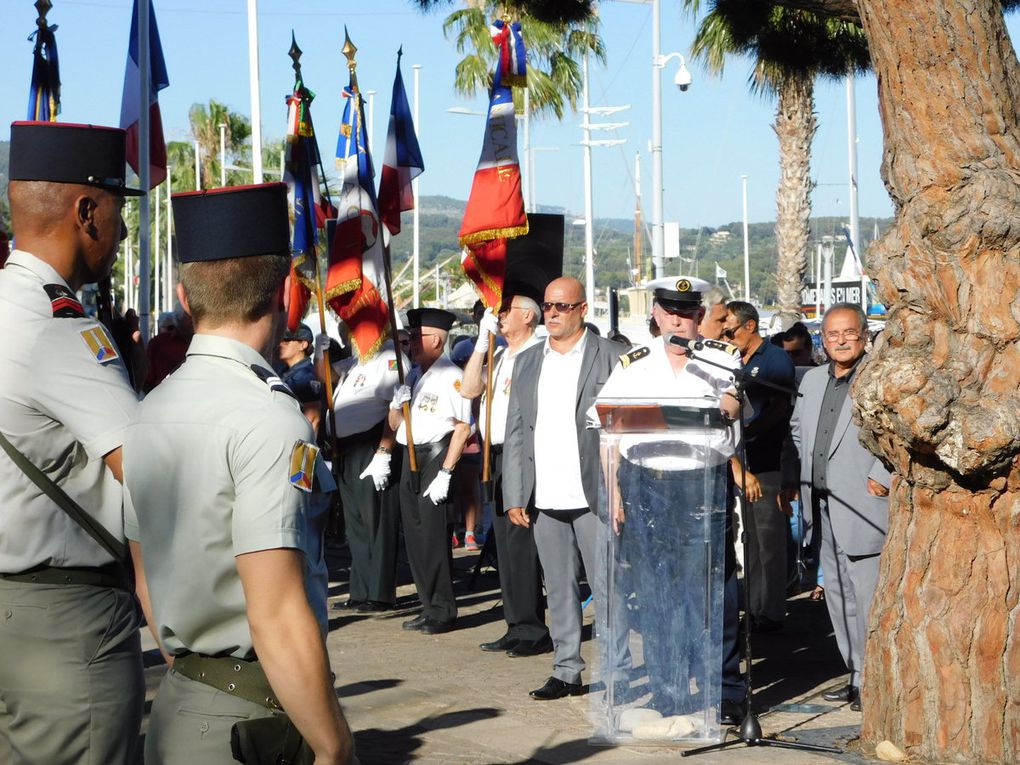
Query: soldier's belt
[[238, 677], [104, 576]]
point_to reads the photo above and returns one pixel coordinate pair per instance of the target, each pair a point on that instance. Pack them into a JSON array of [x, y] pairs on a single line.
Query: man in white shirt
[[440, 427], [520, 579], [551, 472]]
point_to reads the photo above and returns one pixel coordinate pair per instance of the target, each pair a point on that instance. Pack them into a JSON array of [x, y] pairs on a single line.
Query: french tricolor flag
[[402, 161], [131, 109]]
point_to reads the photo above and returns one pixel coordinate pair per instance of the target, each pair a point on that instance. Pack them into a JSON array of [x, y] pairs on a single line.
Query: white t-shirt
[[436, 403]]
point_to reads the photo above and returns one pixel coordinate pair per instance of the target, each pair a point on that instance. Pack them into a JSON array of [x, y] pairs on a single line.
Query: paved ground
[[417, 698]]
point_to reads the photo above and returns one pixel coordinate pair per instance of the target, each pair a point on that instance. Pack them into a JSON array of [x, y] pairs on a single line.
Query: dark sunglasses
[[561, 307], [729, 334]]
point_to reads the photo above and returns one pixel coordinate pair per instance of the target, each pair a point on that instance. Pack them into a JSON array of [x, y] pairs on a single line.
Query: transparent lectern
[[664, 483]]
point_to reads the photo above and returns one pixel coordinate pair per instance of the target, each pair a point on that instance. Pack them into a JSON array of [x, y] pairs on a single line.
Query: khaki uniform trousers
[[71, 682], [190, 723]]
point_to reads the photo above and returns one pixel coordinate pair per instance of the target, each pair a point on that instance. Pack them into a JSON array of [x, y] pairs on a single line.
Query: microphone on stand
[[685, 343]]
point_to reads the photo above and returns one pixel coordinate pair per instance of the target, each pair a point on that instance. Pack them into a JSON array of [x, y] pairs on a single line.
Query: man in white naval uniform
[[661, 535]]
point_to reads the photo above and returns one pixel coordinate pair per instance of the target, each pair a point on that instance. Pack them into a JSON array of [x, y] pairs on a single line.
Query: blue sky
[[713, 133]]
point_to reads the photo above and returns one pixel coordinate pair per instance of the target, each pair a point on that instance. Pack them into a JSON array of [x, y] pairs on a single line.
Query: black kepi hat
[[302, 333], [679, 291], [61, 152], [436, 318], [232, 222]]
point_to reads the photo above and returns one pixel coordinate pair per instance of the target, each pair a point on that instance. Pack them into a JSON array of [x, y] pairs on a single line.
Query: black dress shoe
[[434, 627], [505, 643], [855, 705], [762, 625], [350, 604], [531, 647], [844, 694], [415, 623], [555, 688], [731, 712], [373, 607]]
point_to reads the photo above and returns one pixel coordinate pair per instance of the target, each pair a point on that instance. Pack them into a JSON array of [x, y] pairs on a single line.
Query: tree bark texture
[[795, 126], [939, 398]]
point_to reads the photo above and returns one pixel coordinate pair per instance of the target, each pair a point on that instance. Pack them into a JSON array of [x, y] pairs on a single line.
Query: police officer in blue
[[71, 685]]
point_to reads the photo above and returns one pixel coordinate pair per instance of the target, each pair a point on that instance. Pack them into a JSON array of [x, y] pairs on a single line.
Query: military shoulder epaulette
[[271, 379], [719, 345], [65, 304], [633, 355]]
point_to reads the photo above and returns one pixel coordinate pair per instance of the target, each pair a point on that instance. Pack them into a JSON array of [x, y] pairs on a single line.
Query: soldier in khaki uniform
[[222, 472], [71, 687]]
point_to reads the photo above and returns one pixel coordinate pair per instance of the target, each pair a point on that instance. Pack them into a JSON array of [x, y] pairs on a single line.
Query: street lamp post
[[223, 154], [683, 81]]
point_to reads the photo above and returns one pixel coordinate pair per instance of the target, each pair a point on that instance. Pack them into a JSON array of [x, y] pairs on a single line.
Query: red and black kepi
[[232, 222], [61, 152]]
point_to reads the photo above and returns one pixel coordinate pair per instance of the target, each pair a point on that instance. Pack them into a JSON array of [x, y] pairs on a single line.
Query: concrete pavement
[[439, 699]]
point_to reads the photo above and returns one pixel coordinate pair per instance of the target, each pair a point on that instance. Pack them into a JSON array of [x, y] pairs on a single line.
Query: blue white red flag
[[302, 163], [495, 207], [131, 109], [402, 161], [356, 281], [44, 95]]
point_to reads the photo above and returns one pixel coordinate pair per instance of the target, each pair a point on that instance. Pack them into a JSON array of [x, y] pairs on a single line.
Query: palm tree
[[205, 128], [554, 50], [789, 48]]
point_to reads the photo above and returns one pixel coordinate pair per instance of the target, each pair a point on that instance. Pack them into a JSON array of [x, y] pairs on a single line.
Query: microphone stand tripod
[[749, 733]]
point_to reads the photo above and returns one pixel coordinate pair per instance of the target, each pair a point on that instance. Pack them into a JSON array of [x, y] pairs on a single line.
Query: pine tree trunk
[[939, 399], [795, 127]]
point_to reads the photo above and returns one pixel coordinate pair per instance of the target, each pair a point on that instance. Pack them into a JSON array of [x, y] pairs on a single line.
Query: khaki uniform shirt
[[65, 402], [218, 463]]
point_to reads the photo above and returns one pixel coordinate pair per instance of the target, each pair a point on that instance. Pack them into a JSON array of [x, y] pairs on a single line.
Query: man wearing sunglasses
[[551, 473], [765, 430], [846, 487]]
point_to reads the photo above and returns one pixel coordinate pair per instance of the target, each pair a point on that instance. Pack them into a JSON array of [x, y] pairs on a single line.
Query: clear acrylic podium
[[664, 471]]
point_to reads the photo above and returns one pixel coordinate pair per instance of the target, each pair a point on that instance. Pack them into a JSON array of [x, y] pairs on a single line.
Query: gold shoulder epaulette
[[719, 345], [631, 356]]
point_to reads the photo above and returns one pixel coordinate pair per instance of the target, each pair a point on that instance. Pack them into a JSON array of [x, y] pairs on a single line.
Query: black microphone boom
[[683, 342]]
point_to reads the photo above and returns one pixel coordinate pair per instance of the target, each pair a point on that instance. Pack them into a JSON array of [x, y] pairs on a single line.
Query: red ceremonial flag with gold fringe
[[495, 207]]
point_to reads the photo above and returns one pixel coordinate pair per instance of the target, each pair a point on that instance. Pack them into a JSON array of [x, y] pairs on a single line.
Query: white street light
[[223, 154]]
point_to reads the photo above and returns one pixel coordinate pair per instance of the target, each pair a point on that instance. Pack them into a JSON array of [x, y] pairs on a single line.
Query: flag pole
[[350, 50], [144, 74], [256, 99], [295, 55]]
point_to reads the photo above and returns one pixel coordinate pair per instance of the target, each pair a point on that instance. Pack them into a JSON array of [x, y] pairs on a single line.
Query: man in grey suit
[[845, 485], [551, 473]]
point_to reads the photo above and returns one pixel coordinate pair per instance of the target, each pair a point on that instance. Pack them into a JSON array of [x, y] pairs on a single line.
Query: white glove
[[378, 470], [401, 395], [439, 488], [489, 323], [321, 345]]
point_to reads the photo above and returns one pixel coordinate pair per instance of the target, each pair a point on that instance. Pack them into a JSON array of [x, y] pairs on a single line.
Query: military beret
[[436, 318], [61, 152], [232, 222]]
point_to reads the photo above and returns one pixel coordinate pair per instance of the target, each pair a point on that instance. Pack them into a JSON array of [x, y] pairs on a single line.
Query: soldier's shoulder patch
[[391, 365], [634, 355], [720, 345], [98, 341], [271, 379], [64, 302], [302, 465]]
